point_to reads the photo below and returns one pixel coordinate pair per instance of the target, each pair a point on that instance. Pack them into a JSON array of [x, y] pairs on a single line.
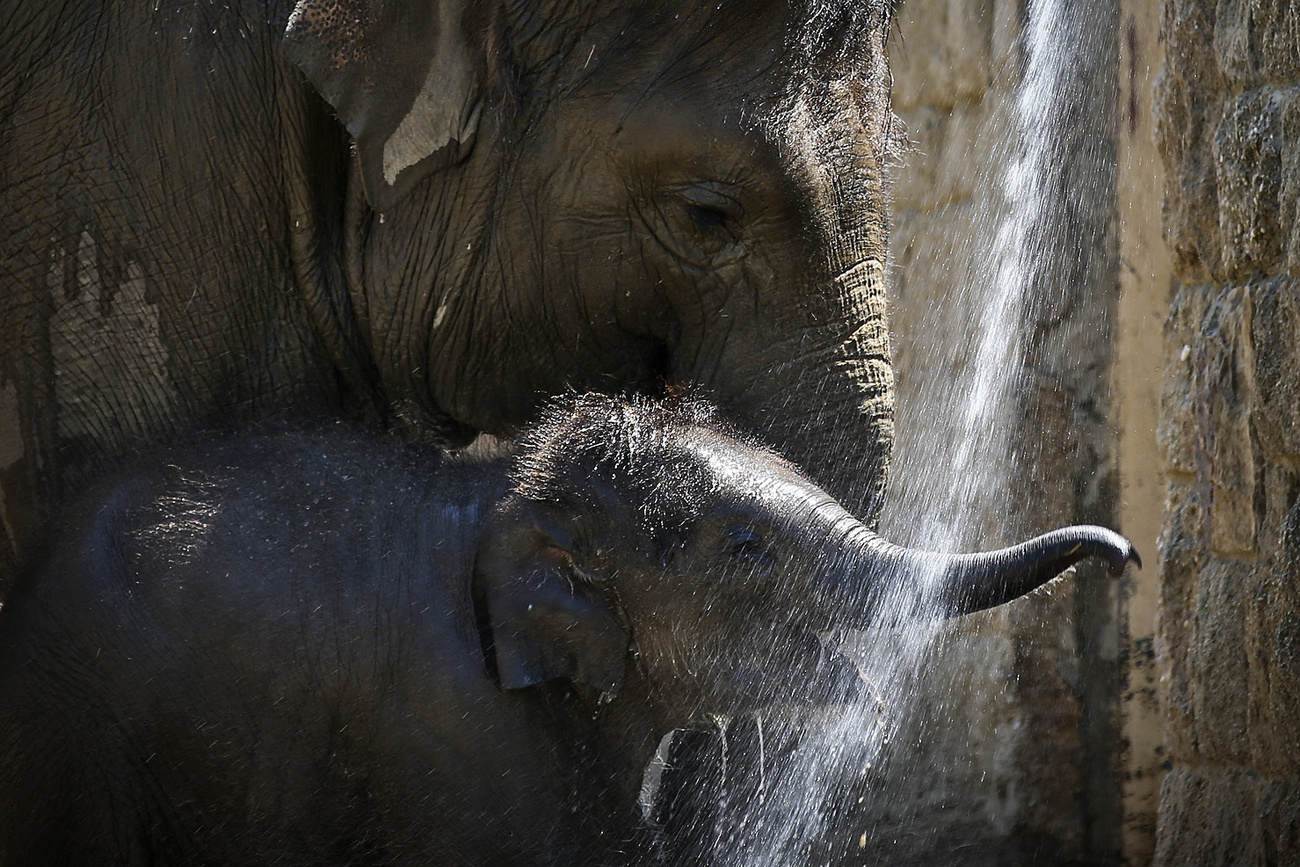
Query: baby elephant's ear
[[405, 79], [544, 621]]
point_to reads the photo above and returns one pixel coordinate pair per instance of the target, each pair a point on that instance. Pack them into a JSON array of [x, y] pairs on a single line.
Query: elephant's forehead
[[760, 476]]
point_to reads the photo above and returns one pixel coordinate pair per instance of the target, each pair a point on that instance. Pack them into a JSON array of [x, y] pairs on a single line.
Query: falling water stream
[[788, 817]]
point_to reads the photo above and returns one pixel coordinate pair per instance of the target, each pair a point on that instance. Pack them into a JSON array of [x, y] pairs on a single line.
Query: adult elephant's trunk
[[823, 381], [846, 443], [815, 380], [853, 593], [822, 396]]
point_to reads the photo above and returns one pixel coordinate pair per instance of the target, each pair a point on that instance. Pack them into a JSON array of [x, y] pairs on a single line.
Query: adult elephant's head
[[619, 195]]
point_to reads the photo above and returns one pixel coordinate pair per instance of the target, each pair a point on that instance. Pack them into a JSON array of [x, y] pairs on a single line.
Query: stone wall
[[1228, 107]]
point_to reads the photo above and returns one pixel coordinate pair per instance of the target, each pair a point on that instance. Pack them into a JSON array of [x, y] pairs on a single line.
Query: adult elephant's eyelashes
[[700, 225], [713, 213], [711, 200]]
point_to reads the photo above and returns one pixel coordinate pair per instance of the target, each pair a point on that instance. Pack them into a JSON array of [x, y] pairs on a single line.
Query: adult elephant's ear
[[406, 79], [540, 618]]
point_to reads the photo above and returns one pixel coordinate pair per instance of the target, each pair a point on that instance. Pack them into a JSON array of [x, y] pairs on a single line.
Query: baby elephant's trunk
[[958, 584]]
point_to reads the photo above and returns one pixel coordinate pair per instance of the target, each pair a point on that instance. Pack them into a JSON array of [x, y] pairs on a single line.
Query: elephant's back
[[146, 248], [219, 623]]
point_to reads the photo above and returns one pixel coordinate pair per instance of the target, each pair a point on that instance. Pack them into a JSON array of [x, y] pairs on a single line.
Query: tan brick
[[1189, 94], [1290, 195], [1273, 646], [956, 155], [1232, 35], [1217, 664], [1208, 818], [1224, 374], [1181, 557], [1176, 431], [914, 185], [1248, 151], [956, 64], [1257, 40], [1275, 332], [1279, 817]]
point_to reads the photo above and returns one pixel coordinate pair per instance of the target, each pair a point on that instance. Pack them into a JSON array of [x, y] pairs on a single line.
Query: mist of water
[[826, 765]]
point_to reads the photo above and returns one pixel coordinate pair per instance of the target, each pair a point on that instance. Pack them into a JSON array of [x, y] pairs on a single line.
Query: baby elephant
[[329, 648]]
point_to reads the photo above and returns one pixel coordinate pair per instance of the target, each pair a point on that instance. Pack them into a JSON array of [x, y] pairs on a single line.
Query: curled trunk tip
[[1078, 543], [978, 581], [950, 586]]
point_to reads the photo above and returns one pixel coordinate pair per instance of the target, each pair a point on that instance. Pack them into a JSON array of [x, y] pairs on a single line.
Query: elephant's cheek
[[803, 671], [690, 675]]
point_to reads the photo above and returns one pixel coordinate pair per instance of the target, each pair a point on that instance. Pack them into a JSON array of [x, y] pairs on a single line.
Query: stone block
[[1290, 195], [1248, 151], [949, 766], [1279, 819], [1176, 431], [1188, 99], [1275, 333], [1208, 817], [1224, 373], [1277, 32], [1273, 647], [1050, 442], [1217, 665], [956, 154], [1281, 486], [1257, 40], [1181, 558], [914, 184], [1049, 755], [1232, 35]]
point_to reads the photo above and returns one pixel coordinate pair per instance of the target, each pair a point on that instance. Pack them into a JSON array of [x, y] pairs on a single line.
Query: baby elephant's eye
[[747, 545]]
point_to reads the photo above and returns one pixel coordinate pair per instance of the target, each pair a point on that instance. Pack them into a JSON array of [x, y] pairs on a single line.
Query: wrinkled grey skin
[[482, 675], [435, 215]]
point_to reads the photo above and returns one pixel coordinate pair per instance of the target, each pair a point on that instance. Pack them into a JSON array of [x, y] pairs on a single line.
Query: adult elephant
[[435, 214]]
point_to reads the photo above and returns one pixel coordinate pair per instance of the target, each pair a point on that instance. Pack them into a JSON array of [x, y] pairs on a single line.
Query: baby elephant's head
[[648, 543]]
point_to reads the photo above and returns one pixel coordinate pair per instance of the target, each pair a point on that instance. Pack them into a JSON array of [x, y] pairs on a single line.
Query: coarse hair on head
[[827, 32], [634, 441]]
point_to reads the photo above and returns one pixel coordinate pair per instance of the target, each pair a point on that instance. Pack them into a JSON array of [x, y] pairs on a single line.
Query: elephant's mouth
[[696, 762]]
